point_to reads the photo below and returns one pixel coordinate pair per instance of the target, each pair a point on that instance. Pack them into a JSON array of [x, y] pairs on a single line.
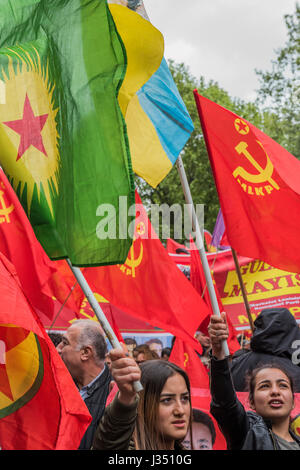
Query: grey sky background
[[223, 40]]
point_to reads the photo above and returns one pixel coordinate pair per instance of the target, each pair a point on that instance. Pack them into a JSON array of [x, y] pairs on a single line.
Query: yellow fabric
[[144, 46], [22, 367], [149, 160]]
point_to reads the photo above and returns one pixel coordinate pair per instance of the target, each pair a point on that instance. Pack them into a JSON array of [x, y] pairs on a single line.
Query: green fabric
[[67, 60]]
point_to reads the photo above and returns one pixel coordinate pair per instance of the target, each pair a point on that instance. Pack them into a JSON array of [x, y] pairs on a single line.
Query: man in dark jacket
[[83, 350], [274, 339]]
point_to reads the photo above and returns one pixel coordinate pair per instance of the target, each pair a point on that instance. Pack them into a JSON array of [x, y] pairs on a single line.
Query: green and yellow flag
[[63, 140]]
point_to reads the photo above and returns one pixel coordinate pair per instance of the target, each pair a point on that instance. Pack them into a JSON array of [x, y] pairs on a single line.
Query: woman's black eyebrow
[[268, 381], [173, 394]]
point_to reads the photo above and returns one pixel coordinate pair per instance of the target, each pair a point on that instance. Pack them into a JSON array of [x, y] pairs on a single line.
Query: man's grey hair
[[91, 334]]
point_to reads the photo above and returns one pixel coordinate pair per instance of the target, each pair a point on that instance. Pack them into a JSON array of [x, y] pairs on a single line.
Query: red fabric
[[175, 247], [258, 184], [61, 284], [199, 282], [114, 325], [224, 240], [184, 356], [112, 393], [37, 273], [219, 261], [40, 406], [149, 286]]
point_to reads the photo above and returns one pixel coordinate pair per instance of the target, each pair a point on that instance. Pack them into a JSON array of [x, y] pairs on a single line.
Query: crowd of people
[[161, 416]]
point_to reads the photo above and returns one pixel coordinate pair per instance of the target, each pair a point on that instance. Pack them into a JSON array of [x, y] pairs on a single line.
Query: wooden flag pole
[[242, 286], [199, 243], [99, 314]]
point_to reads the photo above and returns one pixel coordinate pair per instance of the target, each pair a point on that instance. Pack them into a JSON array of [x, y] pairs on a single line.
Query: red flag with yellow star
[[40, 406], [258, 184], [40, 277], [150, 286]]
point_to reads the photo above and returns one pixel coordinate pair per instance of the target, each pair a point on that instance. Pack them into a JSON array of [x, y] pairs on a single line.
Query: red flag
[[258, 184], [62, 284], [36, 272], [199, 282], [113, 324], [184, 356], [40, 406], [150, 286], [175, 247]]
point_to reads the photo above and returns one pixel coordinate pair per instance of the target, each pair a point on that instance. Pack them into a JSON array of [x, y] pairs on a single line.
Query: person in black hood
[[274, 340]]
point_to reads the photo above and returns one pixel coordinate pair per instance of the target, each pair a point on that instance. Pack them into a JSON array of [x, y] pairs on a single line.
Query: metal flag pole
[[243, 290], [199, 243], [99, 314], [61, 308]]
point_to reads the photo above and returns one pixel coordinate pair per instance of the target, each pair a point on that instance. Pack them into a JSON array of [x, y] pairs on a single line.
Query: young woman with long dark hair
[[271, 398], [157, 418]]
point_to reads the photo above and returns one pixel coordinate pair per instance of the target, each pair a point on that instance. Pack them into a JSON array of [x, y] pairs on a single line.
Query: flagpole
[[199, 243], [242, 286], [99, 313], [62, 306]]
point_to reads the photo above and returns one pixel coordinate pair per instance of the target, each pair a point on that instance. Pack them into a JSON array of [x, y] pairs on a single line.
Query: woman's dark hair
[[155, 373], [251, 377]]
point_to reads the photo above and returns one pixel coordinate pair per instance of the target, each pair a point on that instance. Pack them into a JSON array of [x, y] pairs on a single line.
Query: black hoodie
[[276, 332]]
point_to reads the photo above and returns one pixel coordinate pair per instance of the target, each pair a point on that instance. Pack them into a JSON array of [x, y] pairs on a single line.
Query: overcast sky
[[223, 40]]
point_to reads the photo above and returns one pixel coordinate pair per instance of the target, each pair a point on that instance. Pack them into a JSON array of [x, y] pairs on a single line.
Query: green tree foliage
[[279, 92], [194, 154]]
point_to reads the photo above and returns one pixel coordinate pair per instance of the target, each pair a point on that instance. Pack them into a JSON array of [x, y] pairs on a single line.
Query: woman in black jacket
[[156, 419], [271, 397]]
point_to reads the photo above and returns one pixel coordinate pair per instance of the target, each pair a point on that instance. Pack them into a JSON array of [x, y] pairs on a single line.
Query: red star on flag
[[29, 128], [242, 126]]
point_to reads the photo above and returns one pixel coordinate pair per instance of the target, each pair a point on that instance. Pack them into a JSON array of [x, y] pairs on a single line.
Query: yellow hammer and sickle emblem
[[133, 262], [186, 359], [265, 174], [140, 229], [5, 211]]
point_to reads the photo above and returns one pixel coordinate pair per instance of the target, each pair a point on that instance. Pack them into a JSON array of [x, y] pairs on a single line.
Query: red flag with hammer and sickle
[[258, 184], [150, 286]]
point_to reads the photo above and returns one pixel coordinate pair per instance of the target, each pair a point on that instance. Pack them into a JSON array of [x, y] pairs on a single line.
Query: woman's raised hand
[[218, 332], [125, 371]]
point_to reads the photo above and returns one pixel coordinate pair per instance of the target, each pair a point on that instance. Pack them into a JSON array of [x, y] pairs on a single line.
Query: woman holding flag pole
[[271, 398], [158, 418]]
